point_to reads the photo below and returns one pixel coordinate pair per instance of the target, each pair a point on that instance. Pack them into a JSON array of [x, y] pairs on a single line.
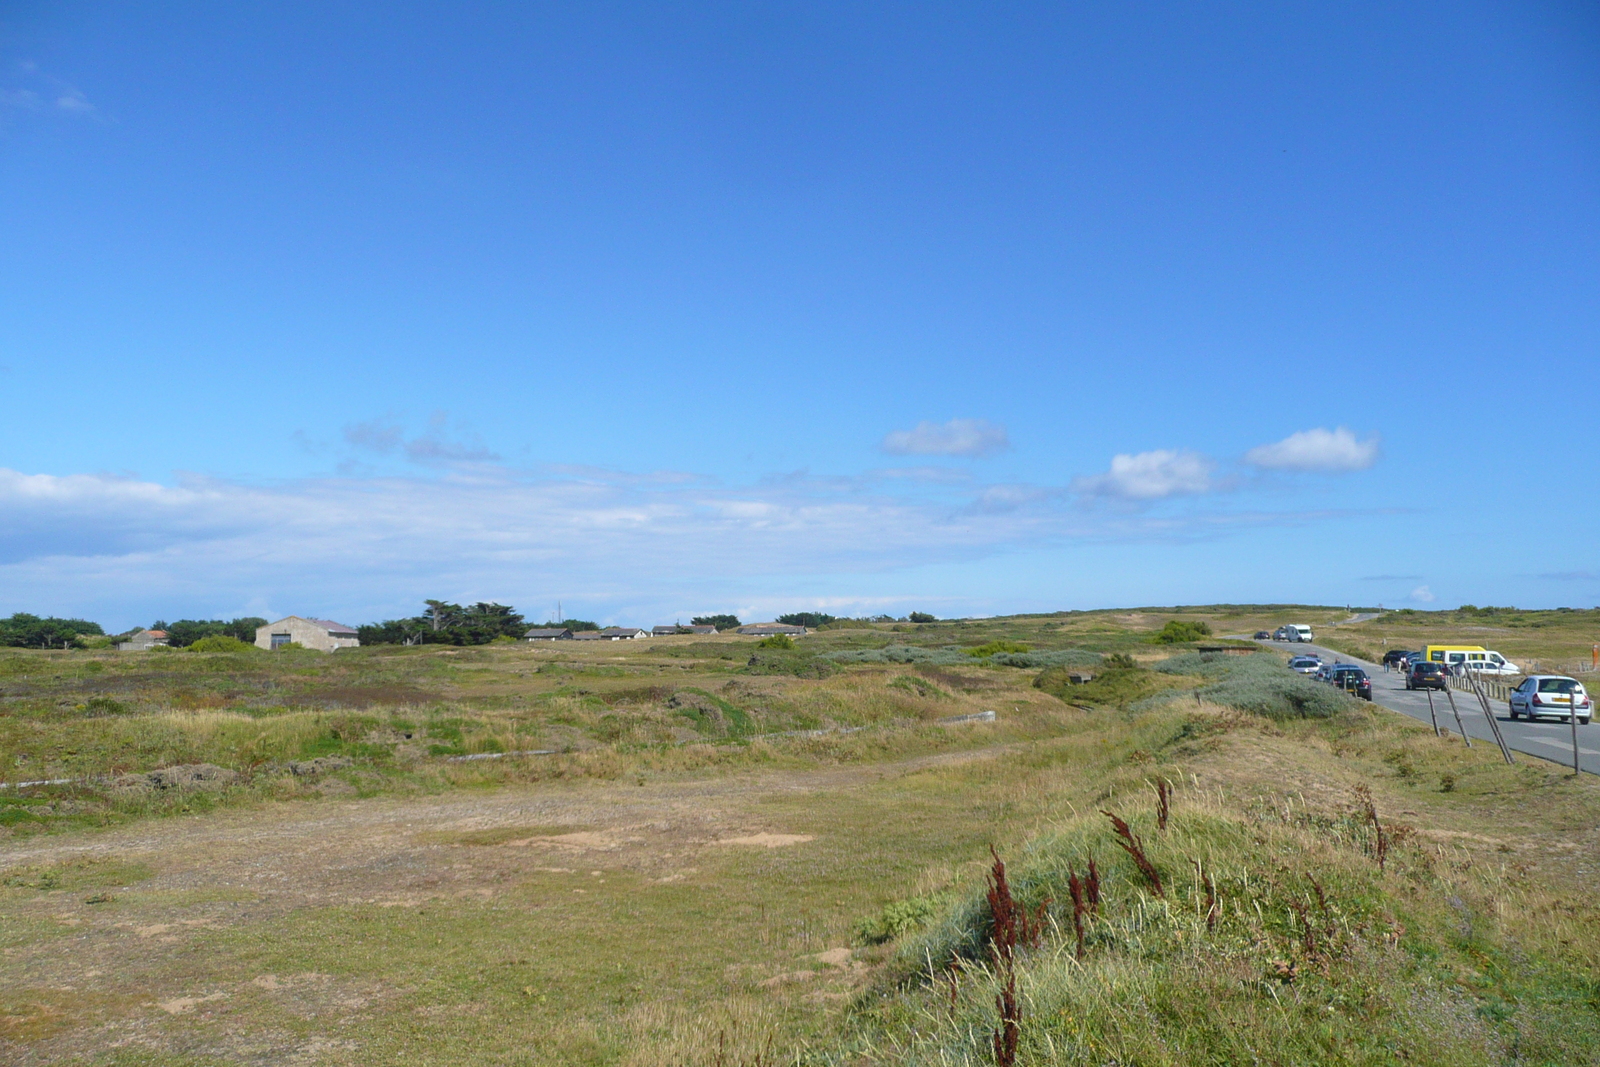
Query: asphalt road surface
[[1549, 739]]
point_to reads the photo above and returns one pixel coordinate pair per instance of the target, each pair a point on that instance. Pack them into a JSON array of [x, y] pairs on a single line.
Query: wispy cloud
[[958, 437], [433, 447], [72, 100], [1316, 450], [1423, 595], [32, 89], [1150, 476]]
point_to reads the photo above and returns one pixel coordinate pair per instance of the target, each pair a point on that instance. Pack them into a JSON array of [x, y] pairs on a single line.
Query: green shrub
[[998, 646], [1064, 657], [942, 657], [220, 643], [775, 641], [103, 705], [897, 917], [1178, 632]]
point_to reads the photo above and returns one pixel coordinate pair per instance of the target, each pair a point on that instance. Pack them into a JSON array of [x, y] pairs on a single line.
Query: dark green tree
[[808, 619], [721, 622], [23, 630], [443, 623]]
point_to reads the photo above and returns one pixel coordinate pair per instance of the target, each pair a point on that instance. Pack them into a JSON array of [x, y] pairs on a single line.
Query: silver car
[[1304, 664], [1551, 694]]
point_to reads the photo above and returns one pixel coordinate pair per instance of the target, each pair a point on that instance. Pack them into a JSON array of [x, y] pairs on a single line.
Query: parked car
[[1324, 672], [1394, 657], [1304, 664], [1281, 634], [1551, 694], [1262, 635], [1353, 680], [1424, 675]]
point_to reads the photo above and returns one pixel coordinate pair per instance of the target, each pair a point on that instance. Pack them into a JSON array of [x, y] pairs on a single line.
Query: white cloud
[[1423, 595], [1150, 476], [1316, 450], [958, 437], [628, 545]]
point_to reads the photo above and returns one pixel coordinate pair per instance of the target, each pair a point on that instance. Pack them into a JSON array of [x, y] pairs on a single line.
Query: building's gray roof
[[701, 629], [588, 635], [621, 631], [664, 631], [333, 627], [772, 628], [548, 631]]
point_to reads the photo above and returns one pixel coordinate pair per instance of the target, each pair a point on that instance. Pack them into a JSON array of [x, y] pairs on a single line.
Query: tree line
[[439, 623], [33, 631]]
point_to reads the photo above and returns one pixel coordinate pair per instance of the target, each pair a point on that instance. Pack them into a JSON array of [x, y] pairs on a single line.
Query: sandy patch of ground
[[765, 840]]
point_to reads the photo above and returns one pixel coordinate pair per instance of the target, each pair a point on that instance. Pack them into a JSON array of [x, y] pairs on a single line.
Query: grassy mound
[[1114, 686], [1273, 936]]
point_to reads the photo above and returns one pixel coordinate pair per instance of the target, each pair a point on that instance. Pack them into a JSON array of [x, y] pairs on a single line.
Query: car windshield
[[1557, 685]]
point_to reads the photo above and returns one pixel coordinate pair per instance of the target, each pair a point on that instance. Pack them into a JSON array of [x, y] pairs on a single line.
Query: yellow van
[[1474, 658]]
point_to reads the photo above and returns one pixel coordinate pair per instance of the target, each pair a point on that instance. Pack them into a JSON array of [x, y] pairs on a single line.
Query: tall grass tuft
[[1134, 847]]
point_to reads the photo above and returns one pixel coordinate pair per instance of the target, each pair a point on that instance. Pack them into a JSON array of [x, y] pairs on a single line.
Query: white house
[[323, 635]]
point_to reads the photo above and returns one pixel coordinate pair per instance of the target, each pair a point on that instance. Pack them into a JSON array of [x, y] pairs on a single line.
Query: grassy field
[[743, 855]]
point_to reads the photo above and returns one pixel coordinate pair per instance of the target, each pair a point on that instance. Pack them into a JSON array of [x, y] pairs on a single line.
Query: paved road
[[1547, 739]]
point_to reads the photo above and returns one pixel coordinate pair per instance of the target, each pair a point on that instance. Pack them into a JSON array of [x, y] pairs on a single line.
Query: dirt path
[[398, 851]]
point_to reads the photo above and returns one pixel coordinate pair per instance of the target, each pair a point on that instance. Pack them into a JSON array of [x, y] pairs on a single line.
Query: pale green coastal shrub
[[1260, 684]]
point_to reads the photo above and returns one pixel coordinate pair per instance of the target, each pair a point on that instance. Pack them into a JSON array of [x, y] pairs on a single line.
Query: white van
[[1298, 632], [1476, 660]]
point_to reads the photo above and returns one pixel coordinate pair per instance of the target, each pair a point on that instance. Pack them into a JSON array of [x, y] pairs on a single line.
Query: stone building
[[142, 640], [320, 634]]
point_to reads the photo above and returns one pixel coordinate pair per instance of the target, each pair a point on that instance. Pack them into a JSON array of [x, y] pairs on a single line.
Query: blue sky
[[669, 309]]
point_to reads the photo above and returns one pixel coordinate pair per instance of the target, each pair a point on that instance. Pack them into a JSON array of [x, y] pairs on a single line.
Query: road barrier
[[1492, 688]]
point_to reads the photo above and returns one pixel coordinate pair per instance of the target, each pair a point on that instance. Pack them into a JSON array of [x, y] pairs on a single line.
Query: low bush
[[220, 643], [898, 654], [989, 649], [897, 918], [1064, 657], [1178, 632], [776, 641]]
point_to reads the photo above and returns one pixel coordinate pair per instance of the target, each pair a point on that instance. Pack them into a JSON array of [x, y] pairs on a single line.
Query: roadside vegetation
[[724, 851]]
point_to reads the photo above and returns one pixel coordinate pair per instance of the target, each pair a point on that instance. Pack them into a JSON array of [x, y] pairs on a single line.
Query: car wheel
[[1583, 721], [1513, 708]]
